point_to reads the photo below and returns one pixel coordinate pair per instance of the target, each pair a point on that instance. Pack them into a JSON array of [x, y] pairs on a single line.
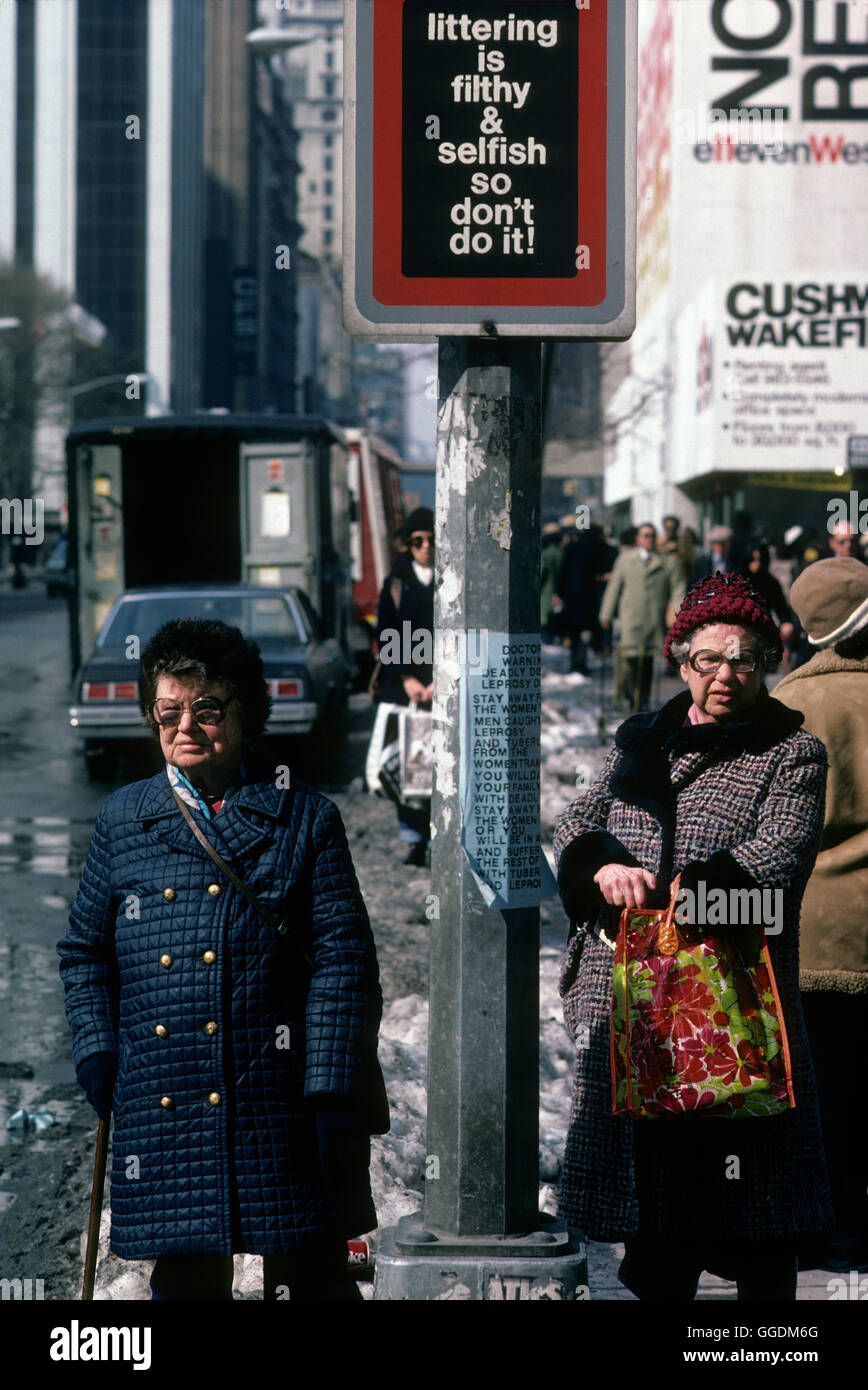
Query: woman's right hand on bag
[[624, 885]]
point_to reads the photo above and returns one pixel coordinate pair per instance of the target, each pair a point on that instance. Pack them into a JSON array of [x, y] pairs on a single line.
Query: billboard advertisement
[[772, 373], [766, 165]]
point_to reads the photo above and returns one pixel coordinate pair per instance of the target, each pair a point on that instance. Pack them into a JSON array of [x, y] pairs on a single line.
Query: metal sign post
[[489, 167], [481, 1235]]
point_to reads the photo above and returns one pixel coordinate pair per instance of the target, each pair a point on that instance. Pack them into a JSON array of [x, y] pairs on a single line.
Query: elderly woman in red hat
[[724, 786]]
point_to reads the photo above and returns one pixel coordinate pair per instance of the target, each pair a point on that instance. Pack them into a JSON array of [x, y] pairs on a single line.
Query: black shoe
[[416, 855]]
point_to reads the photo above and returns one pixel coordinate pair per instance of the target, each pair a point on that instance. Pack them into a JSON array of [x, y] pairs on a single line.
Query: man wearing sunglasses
[[405, 638]]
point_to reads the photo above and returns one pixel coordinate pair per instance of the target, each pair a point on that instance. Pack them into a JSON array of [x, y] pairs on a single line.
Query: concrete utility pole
[[480, 1235]]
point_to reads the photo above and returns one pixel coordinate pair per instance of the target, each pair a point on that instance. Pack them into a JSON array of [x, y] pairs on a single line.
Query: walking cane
[[96, 1192]]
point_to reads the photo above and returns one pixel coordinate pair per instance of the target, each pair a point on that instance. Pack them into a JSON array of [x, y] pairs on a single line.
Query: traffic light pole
[[480, 1235]]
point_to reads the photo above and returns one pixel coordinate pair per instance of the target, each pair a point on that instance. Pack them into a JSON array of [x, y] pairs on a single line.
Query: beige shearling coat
[[832, 693]]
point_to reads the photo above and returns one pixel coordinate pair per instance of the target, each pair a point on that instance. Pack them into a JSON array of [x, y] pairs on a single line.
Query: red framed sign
[[489, 168]]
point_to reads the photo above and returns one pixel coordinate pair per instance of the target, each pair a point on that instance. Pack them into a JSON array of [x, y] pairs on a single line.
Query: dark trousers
[[308, 1274], [414, 823], [836, 1026], [636, 674], [663, 1270]]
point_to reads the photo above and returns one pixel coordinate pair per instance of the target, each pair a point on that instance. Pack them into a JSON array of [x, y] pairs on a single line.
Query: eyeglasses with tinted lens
[[206, 711], [706, 662], [417, 542]]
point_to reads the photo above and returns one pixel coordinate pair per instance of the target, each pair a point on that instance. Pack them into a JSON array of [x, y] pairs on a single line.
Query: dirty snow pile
[[571, 754]]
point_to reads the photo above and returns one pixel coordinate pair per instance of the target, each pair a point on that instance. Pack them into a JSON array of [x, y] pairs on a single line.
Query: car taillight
[[109, 690], [285, 690]]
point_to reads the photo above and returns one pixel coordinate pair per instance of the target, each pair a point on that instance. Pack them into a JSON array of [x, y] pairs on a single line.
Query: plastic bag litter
[[30, 1121]]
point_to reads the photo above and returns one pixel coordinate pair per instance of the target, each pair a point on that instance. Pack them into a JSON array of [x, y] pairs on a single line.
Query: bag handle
[[276, 923], [667, 935]]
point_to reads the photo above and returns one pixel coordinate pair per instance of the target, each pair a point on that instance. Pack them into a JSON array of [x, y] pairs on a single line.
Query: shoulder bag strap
[[275, 922]]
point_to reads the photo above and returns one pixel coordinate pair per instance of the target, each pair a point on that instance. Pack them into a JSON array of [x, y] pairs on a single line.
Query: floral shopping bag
[[696, 1022]]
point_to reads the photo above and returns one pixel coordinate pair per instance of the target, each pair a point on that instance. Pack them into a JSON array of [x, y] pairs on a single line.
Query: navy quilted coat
[[222, 1032]]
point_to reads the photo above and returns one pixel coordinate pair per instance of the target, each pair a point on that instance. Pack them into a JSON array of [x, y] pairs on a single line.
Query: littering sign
[[490, 168]]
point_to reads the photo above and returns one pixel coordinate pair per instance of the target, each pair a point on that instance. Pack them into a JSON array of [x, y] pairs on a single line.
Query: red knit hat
[[723, 598]]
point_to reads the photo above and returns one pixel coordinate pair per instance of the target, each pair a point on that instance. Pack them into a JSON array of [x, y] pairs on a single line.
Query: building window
[[330, 58], [327, 212], [311, 188], [328, 237], [329, 114], [329, 163], [328, 188], [329, 140]]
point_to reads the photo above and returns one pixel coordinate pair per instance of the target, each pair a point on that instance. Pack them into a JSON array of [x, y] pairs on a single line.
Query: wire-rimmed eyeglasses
[[207, 710]]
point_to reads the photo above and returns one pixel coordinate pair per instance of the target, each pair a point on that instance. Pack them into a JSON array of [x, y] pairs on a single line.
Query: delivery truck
[[206, 498]]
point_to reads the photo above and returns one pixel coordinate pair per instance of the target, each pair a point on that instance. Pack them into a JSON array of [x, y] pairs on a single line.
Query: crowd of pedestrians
[[590, 586]]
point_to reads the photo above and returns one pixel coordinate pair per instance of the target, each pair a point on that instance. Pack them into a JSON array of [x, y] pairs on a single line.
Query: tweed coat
[[225, 1038], [742, 804], [832, 693]]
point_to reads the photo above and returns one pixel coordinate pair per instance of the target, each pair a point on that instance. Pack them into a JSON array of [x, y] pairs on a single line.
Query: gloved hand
[[344, 1148], [97, 1075], [719, 870]]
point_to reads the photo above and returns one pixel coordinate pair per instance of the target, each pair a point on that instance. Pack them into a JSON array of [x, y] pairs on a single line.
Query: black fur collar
[[647, 740]]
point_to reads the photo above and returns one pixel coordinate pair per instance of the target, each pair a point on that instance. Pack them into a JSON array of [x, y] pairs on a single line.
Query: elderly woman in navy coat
[[239, 1058]]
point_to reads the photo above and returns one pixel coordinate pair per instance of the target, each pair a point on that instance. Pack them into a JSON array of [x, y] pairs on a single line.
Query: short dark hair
[[207, 650]]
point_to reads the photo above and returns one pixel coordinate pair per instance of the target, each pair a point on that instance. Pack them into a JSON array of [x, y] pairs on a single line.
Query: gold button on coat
[[166, 961], [161, 1030], [211, 1028], [169, 894], [214, 1098], [167, 1103], [213, 889], [209, 957]]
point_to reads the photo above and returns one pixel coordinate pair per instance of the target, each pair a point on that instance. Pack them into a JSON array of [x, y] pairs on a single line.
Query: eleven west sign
[[489, 168]]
